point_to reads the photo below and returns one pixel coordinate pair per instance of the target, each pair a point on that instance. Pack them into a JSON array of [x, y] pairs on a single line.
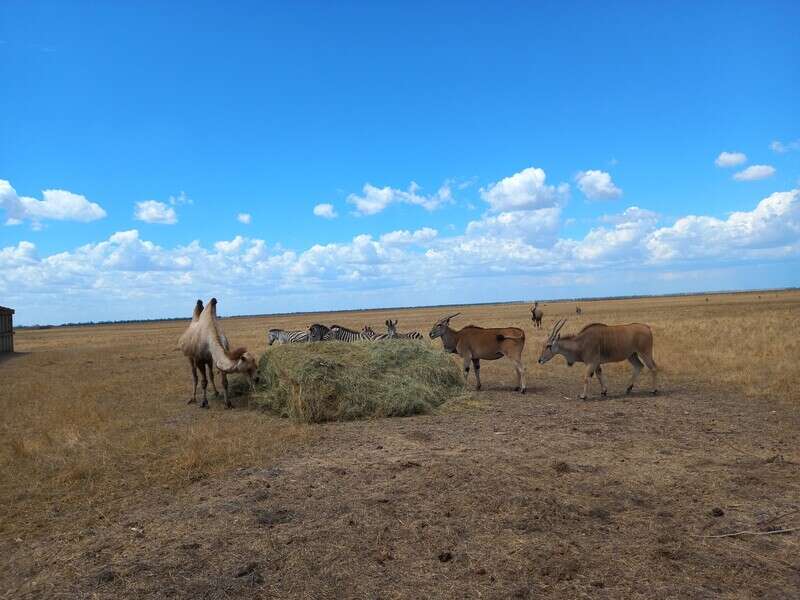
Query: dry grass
[[95, 428]]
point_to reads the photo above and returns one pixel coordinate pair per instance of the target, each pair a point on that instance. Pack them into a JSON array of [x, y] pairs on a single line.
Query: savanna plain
[[111, 486]]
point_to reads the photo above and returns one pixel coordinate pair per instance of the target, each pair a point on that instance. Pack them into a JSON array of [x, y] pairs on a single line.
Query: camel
[[206, 347]]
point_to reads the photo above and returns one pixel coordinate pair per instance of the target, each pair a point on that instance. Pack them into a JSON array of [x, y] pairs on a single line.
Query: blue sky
[[509, 144]]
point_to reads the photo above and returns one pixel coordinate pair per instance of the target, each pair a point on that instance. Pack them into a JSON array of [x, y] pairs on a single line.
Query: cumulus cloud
[[404, 237], [152, 211], [232, 246], [56, 205], [180, 199], [244, 218], [730, 159], [125, 276], [597, 185], [781, 148], [326, 211], [374, 199], [772, 229], [525, 190], [754, 173]]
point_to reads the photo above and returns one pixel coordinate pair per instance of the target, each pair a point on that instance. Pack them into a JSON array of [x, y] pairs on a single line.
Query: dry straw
[[337, 381]]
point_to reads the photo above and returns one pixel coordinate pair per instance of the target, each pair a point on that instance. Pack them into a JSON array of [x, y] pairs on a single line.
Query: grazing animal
[[597, 344], [536, 315], [319, 333], [281, 336], [391, 326], [199, 356], [343, 334], [205, 336], [369, 334], [475, 343], [578, 310]]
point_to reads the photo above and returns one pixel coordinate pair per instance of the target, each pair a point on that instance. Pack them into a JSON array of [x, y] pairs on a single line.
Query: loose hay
[[337, 381]]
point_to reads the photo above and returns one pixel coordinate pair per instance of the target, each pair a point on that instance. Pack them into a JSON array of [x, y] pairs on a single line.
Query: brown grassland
[[111, 486]]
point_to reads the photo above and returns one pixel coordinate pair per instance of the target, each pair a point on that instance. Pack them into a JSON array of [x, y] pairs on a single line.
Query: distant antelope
[[391, 326], [536, 315], [597, 344], [475, 343], [578, 310]]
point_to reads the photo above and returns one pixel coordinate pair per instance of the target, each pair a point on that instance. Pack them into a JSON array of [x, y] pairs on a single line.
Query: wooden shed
[[6, 329]]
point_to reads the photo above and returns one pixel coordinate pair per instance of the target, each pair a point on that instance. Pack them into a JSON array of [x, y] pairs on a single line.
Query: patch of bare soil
[[527, 497]]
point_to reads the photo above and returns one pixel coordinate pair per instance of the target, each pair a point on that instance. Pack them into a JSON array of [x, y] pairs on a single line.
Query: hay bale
[[337, 381]]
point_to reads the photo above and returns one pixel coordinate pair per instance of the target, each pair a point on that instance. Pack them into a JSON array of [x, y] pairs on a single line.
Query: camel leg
[[205, 385], [602, 379], [224, 378], [637, 368], [193, 399], [211, 378], [590, 369], [651, 365]]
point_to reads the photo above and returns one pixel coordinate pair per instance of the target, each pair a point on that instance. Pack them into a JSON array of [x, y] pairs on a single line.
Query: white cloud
[[499, 256], [232, 246], [375, 200], [754, 173], [244, 218], [326, 211], [772, 229], [405, 237], [730, 159], [597, 185], [180, 199], [781, 148], [57, 205], [525, 190], [152, 211]]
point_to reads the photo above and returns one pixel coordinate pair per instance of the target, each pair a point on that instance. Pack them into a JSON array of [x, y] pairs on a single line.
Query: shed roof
[[3, 309]]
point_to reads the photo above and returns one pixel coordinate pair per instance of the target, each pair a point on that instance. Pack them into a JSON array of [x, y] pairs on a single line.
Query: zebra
[[343, 334], [368, 333], [392, 327], [280, 336], [320, 333]]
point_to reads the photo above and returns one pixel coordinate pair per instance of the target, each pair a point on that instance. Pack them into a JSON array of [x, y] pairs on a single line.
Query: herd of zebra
[[322, 333]]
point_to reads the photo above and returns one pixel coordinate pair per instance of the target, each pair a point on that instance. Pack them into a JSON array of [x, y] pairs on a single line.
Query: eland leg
[[590, 369], [651, 365], [637, 369], [602, 379], [476, 363]]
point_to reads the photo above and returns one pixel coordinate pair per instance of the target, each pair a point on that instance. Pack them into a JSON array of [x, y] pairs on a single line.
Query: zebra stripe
[[392, 327], [280, 336]]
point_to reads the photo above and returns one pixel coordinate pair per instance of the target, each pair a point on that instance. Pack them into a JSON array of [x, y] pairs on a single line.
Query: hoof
[[229, 405], [654, 393], [522, 391], [604, 393], [478, 388], [204, 405], [581, 397], [629, 389]]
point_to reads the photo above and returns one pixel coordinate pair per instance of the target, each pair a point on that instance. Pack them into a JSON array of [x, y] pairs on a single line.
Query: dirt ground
[[498, 496]]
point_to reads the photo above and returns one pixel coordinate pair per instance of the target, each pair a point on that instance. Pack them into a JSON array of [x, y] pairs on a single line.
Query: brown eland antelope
[[536, 315], [597, 344], [475, 343]]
